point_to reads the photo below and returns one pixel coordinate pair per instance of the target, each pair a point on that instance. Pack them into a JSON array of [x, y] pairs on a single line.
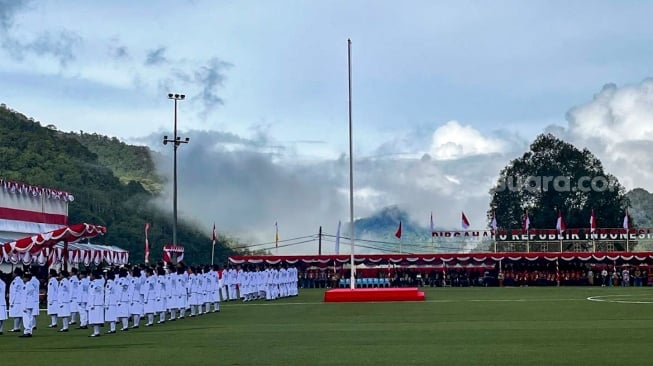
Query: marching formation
[[123, 296], [253, 283]]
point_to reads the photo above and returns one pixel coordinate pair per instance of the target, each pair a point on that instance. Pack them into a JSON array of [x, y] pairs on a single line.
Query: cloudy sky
[[445, 94]]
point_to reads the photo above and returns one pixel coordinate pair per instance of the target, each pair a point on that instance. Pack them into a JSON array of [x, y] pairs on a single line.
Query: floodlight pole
[[176, 141], [351, 177]]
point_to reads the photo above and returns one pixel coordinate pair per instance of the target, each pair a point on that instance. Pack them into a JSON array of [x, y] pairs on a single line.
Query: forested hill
[[88, 166], [128, 162]]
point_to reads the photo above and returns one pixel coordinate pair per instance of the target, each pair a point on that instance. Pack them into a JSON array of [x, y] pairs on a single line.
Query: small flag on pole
[[147, 243], [592, 222], [338, 238], [276, 235], [560, 224], [527, 221], [213, 234], [493, 224], [432, 227], [626, 221], [465, 222], [398, 233]]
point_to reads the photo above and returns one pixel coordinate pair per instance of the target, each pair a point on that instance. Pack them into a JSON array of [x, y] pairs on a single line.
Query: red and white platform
[[374, 294]]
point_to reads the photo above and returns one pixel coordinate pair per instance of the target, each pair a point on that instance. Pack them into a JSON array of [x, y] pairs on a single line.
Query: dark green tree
[[556, 176]]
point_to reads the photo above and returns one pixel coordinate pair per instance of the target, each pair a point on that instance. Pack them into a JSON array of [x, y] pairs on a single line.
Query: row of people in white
[[130, 296], [256, 283]]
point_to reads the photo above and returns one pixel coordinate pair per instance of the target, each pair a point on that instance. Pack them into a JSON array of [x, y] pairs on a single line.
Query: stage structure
[[34, 229]]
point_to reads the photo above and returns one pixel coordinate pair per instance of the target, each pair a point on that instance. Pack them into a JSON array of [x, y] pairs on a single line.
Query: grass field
[[455, 326]]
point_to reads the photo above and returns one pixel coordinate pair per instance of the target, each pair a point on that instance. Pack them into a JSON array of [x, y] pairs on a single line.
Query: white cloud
[[453, 140], [617, 126]]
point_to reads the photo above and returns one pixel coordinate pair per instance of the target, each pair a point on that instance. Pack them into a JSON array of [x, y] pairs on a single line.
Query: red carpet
[[373, 294]]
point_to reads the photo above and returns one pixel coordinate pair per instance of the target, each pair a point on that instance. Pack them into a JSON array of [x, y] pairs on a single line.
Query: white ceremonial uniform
[[172, 299], [75, 282], [35, 297], [182, 291], [111, 301], [149, 295], [3, 302], [123, 293], [53, 305], [223, 286], [215, 282], [28, 301], [233, 275], [268, 284], [16, 297], [136, 303], [82, 300], [64, 297], [199, 290], [95, 304], [161, 293], [192, 287]]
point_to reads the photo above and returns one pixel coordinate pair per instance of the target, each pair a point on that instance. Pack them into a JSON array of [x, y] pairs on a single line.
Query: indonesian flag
[[527, 221], [147, 243], [398, 233], [432, 227], [560, 224], [465, 222], [592, 222], [493, 224], [626, 222], [213, 234]]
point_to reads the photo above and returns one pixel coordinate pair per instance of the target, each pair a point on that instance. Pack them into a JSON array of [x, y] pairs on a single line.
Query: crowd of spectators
[[510, 275]]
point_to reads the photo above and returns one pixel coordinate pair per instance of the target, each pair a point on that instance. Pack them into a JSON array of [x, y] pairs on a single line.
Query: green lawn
[[471, 326]]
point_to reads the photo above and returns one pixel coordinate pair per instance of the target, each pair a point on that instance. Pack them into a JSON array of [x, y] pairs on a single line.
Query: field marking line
[[606, 298]]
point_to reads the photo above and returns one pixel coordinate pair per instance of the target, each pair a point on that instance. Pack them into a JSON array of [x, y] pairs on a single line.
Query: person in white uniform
[[3, 302], [172, 304], [29, 292], [162, 288], [111, 302], [35, 299], [182, 291], [95, 305], [53, 305], [124, 298], [64, 296], [149, 296], [136, 304], [82, 298], [74, 295], [215, 291], [16, 296]]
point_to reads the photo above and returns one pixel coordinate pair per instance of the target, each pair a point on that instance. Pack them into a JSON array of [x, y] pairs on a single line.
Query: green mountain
[[113, 185], [376, 233], [127, 162]]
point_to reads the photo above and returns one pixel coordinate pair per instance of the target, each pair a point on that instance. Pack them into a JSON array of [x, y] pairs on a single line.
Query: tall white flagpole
[[351, 176]]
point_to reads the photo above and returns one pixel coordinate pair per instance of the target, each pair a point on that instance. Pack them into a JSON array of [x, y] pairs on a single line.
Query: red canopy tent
[[35, 244]]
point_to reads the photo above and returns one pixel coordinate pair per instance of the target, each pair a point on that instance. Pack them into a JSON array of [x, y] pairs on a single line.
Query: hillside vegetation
[[113, 185]]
